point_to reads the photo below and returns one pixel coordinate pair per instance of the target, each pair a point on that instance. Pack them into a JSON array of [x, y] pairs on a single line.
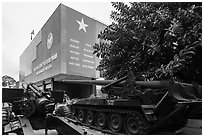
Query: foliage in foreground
[[157, 40]]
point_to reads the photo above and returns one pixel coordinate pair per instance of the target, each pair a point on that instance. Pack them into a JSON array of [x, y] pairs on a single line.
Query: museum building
[[63, 50]]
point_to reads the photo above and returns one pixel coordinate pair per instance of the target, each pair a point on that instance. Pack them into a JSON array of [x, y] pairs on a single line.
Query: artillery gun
[[139, 107], [36, 103], [29, 107]]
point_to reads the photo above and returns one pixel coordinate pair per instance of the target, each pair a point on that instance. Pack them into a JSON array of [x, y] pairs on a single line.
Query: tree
[[8, 81], [157, 40]]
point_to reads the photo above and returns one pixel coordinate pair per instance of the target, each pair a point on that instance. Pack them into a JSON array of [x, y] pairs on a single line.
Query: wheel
[[101, 120], [89, 117], [115, 122], [135, 124], [81, 116], [28, 108], [62, 111]]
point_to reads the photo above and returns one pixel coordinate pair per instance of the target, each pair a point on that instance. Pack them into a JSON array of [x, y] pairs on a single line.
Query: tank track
[[104, 131], [108, 111]]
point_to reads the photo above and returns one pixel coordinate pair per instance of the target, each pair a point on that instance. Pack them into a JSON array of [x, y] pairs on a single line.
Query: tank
[[139, 107]]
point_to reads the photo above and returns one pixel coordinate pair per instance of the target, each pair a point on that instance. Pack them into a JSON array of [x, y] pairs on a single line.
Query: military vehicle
[[139, 107], [131, 107], [28, 107]]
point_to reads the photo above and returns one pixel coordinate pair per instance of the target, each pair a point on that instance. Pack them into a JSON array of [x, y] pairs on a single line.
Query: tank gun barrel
[[33, 88], [94, 82], [123, 80], [161, 84], [153, 84], [144, 84]]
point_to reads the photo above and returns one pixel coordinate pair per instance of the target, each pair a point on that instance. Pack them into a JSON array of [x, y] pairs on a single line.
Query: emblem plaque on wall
[[49, 40]]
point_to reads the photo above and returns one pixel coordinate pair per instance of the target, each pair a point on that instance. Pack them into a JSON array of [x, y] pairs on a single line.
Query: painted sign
[[81, 37], [45, 65]]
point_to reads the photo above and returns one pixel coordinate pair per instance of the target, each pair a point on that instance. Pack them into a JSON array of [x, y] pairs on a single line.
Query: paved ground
[[42, 132], [194, 127]]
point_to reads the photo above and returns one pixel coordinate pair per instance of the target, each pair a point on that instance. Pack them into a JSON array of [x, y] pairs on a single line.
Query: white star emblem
[[82, 25]]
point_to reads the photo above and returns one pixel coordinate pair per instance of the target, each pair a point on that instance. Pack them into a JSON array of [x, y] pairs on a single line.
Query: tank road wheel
[[81, 116], [101, 120], [89, 117], [62, 111], [135, 124], [115, 122]]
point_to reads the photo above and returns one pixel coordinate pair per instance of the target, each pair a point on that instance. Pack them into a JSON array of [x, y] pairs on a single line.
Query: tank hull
[[115, 115]]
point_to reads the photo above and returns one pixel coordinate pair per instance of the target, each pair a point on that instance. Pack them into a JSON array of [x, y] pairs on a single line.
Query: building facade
[[62, 50]]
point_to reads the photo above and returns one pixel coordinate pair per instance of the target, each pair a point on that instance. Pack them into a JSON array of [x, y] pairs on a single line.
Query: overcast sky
[[20, 18]]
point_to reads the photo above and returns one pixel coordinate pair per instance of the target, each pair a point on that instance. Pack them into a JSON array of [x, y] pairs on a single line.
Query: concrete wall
[[41, 61]]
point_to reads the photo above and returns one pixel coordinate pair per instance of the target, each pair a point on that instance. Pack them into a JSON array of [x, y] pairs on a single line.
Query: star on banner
[[82, 25]]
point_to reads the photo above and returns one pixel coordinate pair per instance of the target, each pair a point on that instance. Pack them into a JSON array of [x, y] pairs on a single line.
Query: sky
[[20, 18]]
